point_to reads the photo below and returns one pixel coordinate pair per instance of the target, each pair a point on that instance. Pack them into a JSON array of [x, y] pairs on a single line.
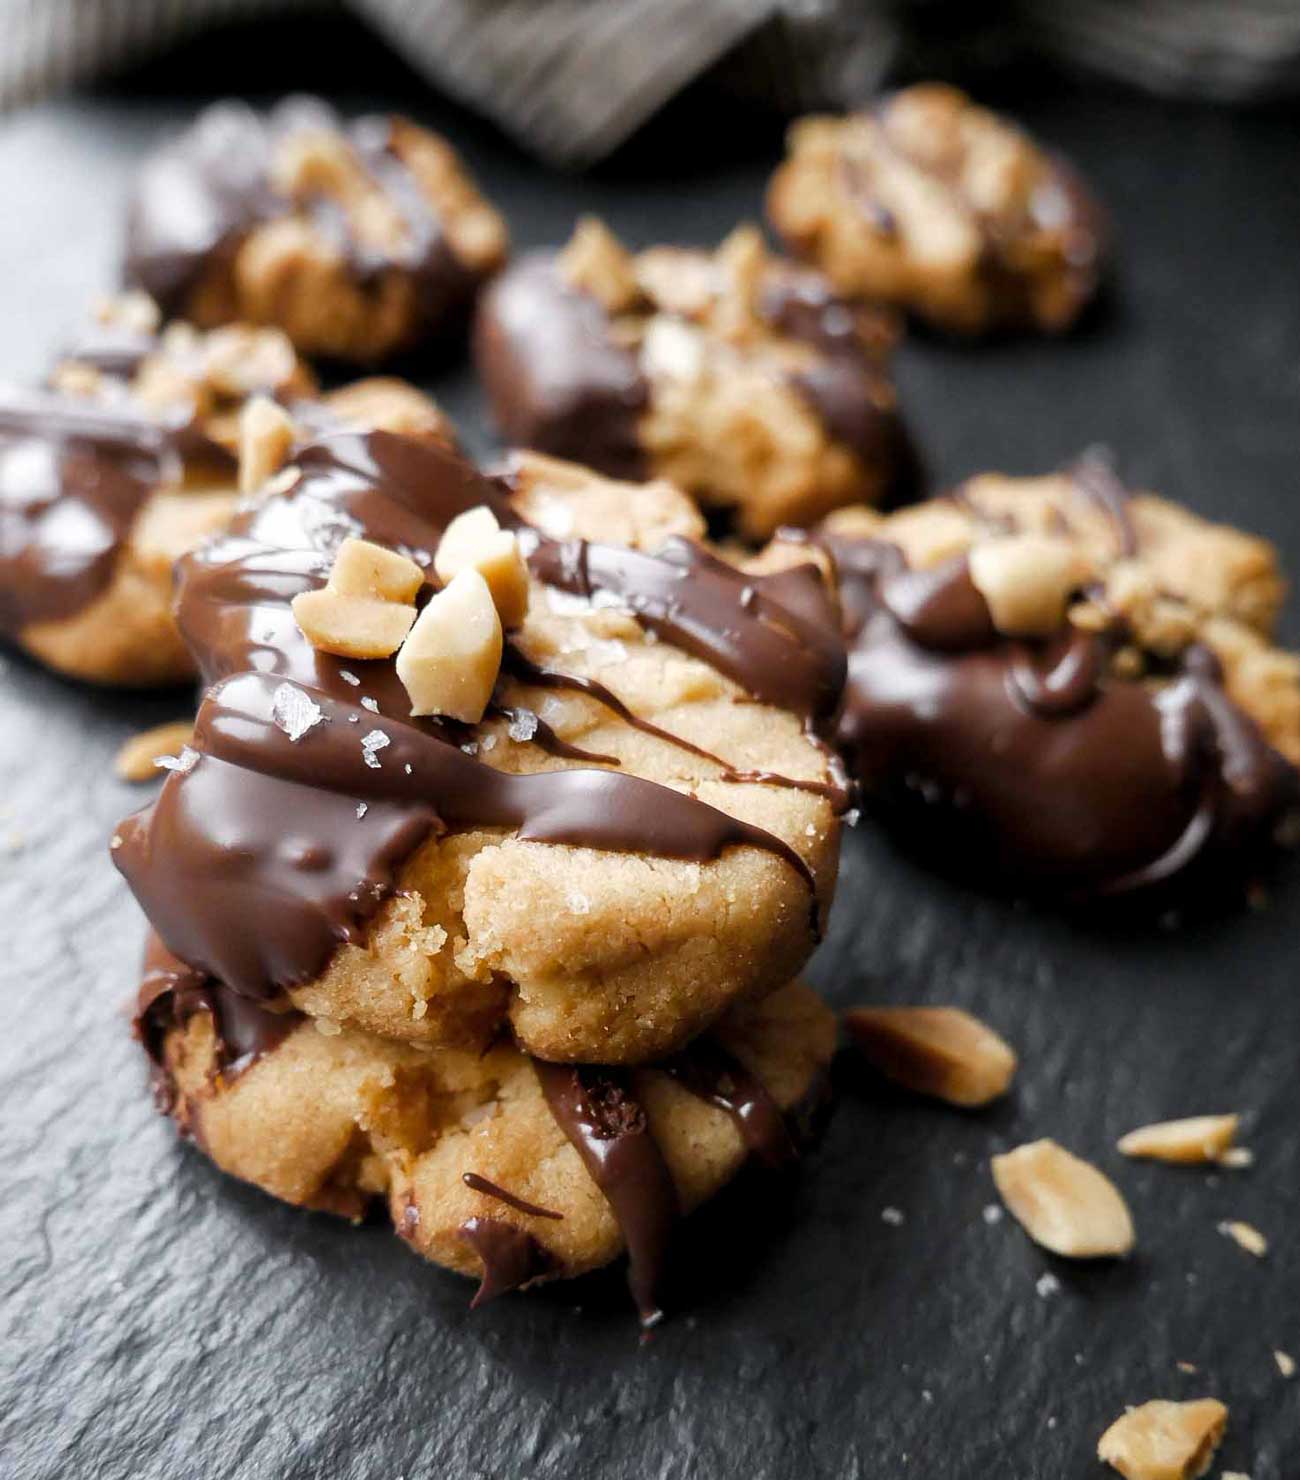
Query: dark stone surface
[[160, 1320]]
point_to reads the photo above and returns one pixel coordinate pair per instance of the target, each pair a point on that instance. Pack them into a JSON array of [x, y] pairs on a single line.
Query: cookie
[[943, 208], [739, 376], [1067, 687], [640, 832], [492, 1164], [359, 240], [127, 459]]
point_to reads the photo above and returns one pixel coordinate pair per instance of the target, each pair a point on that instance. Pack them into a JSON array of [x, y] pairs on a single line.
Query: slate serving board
[[161, 1320]]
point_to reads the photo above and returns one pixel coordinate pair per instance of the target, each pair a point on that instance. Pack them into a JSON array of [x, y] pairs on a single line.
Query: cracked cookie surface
[[1067, 687], [641, 832], [943, 208], [359, 240], [736, 374]]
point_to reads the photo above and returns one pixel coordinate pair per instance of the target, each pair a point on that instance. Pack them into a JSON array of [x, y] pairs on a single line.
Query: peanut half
[[1063, 1203], [1163, 1440], [450, 661], [366, 607], [939, 1051], [266, 436], [1026, 580], [475, 541]]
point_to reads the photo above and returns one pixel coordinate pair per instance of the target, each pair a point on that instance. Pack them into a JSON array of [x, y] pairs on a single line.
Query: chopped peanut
[[266, 435], [1162, 1440], [475, 541], [1026, 580], [1063, 1203], [1245, 1236], [362, 568], [137, 759], [450, 661], [352, 626], [1196, 1139], [940, 1051], [596, 262]]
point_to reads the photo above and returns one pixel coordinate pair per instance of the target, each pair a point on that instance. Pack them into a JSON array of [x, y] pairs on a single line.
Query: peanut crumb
[[1285, 1363], [1162, 1440], [1246, 1235], [1063, 1203], [1199, 1138], [138, 758]]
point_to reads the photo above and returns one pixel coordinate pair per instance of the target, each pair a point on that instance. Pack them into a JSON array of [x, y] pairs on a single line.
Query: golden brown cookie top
[[637, 831], [940, 206], [1076, 685]]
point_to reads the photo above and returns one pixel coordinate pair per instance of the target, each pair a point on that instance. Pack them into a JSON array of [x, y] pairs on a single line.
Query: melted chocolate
[[259, 860], [709, 1072], [73, 477], [200, 196], [556, 380], [490, 1189], [510, 1256], [608, 1129], [1035, 763]]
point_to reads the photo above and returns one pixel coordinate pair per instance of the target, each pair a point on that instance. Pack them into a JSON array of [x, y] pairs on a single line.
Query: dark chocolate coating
[[510, 1256], [556, 380], [1027, 763], [200, 195], [257, 861]]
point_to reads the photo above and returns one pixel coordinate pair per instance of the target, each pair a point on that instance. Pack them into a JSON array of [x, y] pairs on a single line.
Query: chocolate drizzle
[[1033, 762], [556, 379], [710, 1073], [270, 851], [200, 196], [510, 1256], [476, 1183], [608, 1129]]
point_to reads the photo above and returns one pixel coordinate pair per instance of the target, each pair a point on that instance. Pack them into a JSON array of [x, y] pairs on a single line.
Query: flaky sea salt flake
[[371, 745], [294, 712]]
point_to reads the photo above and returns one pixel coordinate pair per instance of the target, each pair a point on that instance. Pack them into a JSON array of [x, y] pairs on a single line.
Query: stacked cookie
[[424, 879]]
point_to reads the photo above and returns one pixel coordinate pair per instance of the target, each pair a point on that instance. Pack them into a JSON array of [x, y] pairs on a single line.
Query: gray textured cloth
[[571, 79]]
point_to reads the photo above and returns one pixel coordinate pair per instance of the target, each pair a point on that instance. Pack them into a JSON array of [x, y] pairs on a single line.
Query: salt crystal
[[293, 711], [1046, 1285], [853, 816], [349, 678], [183, 763], [992, 1213], [471, 748], [523, 725], [368, 703], [362, 809], [371, 744], [488, 742], [407, 768], [892, 1216], [354, 719]]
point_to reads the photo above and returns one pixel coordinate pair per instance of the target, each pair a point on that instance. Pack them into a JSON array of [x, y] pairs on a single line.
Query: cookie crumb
[[992, 1213], [1047, 1285], [1245, 1235], [1237, 1157], [1163, 1440], [1285, 1363], [1062, 1202], [137, 759], [1198, 1138], [893, 1216], [939, 1051]]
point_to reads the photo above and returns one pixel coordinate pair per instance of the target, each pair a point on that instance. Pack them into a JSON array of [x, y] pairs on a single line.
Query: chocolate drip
[[73, 477], [556, 379], [1041, 766], [490, 1189], [200, 196], [608, 1129], [710, 1073], [510, 1256]]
